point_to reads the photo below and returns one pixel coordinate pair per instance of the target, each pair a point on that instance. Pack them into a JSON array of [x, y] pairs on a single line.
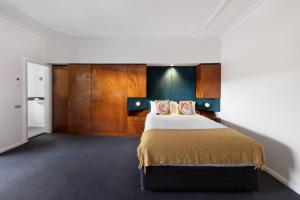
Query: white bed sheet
[[197, 121]]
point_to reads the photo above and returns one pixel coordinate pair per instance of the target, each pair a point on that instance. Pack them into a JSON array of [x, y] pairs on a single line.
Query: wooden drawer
[[136, 118], [135, 125]]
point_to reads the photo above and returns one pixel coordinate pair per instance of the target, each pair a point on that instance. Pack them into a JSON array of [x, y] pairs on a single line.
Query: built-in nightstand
[[217, 119], [211, 115], [135, 125]]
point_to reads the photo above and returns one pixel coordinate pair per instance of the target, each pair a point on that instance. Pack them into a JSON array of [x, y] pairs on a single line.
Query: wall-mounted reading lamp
[[206, 105], [137, 103]]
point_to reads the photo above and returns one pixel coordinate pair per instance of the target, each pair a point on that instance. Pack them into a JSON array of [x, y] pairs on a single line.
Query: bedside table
[[211, 115], [135, 125], [217, 119]]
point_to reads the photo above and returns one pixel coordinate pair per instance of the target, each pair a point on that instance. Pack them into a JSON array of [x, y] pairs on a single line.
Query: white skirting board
[[12, 146], [283, 180]]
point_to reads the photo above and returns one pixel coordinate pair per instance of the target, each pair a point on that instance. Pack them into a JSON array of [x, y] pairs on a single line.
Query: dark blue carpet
[[68, 167]]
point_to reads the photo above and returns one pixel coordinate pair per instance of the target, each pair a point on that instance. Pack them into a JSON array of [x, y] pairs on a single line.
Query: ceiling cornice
[[12, 12], [258, 6], [16, 25], [215, 13], [211, 17]]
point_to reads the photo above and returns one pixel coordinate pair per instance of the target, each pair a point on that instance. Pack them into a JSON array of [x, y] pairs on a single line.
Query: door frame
[[48, 97]]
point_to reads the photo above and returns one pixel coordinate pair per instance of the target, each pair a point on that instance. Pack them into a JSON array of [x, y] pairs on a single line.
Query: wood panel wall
[[136, 76], [60, 87], [208, 81], [92, 99], [109, 99], [79, 99]]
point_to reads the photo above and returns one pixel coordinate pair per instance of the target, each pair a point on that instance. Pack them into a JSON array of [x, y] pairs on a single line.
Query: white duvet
[[154, 121]]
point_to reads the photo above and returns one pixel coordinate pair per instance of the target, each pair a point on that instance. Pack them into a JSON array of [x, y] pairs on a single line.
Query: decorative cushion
[[162, 107], [173, 108], [185, 107]]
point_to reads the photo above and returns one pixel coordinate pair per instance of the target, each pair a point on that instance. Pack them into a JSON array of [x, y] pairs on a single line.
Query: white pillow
[[194, 107], [153, 107]]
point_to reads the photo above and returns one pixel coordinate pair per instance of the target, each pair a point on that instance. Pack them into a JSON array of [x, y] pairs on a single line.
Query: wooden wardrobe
[[92, 99]]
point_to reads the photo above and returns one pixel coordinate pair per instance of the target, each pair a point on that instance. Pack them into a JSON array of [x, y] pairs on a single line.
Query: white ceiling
[[134, 18]]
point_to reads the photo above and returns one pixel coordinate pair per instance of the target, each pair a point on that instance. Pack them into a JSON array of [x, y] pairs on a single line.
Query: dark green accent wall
[[173, 83], [158, 83]]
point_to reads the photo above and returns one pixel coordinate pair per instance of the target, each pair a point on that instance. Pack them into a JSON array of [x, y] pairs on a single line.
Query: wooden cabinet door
[[208, 81], [60, 84], [109, 99], [79, 106], [135, 125], [137, 78]]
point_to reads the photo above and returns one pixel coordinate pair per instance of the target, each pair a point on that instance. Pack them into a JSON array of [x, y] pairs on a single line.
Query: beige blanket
[[196, 147]]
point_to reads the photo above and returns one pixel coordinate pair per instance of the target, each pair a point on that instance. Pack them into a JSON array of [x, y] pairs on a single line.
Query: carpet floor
[[68, 167]]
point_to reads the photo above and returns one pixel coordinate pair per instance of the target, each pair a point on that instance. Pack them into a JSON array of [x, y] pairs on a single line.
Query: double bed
[[192, 152]]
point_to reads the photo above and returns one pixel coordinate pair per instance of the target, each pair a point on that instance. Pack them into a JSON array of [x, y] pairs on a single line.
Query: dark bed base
[[199, 178]]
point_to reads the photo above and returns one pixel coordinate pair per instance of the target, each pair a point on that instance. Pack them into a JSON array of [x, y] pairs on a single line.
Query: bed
[[192, 152]]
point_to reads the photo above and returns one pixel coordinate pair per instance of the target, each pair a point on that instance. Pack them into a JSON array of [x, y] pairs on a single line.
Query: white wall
[[15, 45], [138, 50], [261, 84]]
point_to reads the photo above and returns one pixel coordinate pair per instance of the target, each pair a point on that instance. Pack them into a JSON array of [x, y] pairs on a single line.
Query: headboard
[[172, 83]]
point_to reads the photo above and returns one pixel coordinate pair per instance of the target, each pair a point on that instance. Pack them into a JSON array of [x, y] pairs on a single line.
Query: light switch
[[18, 106]]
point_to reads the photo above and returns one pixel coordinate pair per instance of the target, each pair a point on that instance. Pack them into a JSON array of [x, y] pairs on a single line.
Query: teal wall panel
[[214, 104], [131, 103], [158, 82], [183, 83], [174, 83]]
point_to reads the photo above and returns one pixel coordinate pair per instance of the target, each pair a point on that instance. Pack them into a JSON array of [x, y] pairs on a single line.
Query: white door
[[38, 99]]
